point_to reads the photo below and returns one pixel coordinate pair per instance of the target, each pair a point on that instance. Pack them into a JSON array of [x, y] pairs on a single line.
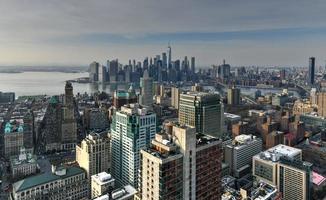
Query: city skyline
[[77, 33]]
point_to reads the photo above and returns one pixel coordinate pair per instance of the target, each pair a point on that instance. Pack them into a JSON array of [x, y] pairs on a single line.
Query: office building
[[93, 154], [96, 119], [101, 184], [321, 103], [7, 97], [311, 71], [203, 111], [94, 72], [62, 183], [193, 65], [234, 96], [161, 170], [113, 69], [282, 166], [238, 154], [175, 95], [69, 123], [132, 129], [146, 90]]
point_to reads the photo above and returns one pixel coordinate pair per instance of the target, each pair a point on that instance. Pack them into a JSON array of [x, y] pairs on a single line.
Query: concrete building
[[282, 166], [101, 184], [13, 138], [132, 129], [191, 162], [274, 138], [62, 183], [146, 90], [234, 96], [321, 103], [175, 95], [69, 123], [239, 153], [124, 193], [23, 164], [202, 110], [157, 162], [93, 154], [96, 119]]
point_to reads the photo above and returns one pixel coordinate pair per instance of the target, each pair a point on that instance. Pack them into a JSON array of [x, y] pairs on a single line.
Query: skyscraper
[[203, 111], [193, 66], [311, 71], [113, 70], [132, 129], [94, 71], [170, 57], [233, 96], [181, 165], [282, 166], [146, 91], [69, 123]]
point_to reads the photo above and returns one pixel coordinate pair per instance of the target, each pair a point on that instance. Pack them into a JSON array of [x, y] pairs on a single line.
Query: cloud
[[38, 25]]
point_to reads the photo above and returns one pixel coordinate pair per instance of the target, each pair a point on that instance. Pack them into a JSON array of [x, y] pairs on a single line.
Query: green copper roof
[[53, 100], [44, 178]]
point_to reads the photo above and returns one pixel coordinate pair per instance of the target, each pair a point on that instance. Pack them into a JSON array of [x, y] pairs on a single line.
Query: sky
[[244, 32]]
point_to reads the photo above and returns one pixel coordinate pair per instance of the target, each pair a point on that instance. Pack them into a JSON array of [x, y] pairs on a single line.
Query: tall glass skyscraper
[[311, 72], [132, 129]]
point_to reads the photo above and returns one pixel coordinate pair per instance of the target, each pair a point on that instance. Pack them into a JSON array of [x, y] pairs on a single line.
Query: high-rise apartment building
[[181, 165], [234, 96], [161, 170], [238, 154], [282, 166], [175, 95], [146, 90], [132, 129], [311, 71], [93, 154], [203, 111]]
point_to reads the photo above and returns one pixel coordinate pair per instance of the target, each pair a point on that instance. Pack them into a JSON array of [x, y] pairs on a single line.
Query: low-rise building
[[102, 183], [61, 183], [23, 164]]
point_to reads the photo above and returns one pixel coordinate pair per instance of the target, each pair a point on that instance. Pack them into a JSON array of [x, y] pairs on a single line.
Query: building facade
[[93, 154], [202, 110], [132, 129]]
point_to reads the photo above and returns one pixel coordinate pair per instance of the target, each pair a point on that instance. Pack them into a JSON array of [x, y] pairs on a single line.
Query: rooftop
[[275, 153], [44, 178], [103, 178]]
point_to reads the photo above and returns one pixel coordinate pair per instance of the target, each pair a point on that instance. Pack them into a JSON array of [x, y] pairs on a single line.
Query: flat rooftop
[[285, 150]]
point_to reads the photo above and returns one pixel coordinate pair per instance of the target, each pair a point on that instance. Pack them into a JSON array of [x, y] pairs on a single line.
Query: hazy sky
[[244, 32]]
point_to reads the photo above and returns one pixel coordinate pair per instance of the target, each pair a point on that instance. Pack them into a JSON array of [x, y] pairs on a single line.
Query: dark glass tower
[[311, 72]]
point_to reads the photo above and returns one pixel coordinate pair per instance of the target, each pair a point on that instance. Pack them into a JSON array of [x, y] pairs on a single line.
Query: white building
[[239, 153]]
